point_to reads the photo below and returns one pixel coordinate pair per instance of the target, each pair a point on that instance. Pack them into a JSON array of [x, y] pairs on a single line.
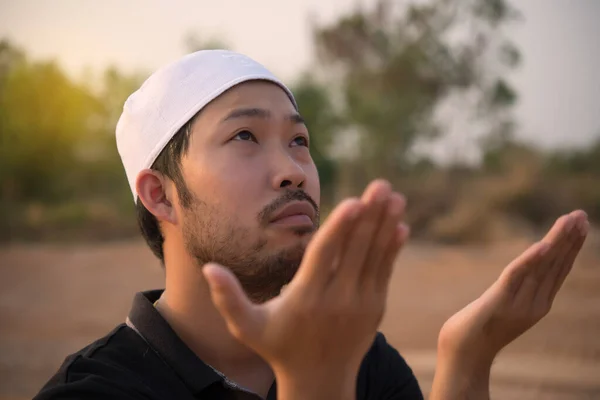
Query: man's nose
[[288, 173]]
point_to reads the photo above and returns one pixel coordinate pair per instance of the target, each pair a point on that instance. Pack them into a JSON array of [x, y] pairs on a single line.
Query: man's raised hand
[[520, 297], [324, 322]]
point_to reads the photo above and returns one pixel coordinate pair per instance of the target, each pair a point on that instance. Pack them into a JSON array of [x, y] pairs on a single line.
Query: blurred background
[[484, 113]]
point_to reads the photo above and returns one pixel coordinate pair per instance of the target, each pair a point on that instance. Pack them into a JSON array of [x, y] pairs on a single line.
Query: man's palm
[[522, 295]]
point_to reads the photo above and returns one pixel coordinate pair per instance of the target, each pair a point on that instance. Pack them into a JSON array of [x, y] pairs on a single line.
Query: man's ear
[[155, 191]]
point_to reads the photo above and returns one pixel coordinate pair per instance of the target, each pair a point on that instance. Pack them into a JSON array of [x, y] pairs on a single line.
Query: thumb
[[240, 314]]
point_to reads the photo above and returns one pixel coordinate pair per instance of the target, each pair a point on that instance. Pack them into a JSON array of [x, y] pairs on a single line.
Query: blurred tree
[[57, 140], [585, 160], [97, 154], [395, 65], [538, 186], [578, 172], [42, 116], [10, 56]]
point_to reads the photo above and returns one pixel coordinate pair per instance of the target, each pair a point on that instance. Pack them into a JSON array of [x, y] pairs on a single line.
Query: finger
[[242, 317], [569, 261], [565, 221], [558, 258], [326, 246], [389, 220], [399, 239], [558, 241], [530, 260], [530, 277], [513, 276], [361, 239]]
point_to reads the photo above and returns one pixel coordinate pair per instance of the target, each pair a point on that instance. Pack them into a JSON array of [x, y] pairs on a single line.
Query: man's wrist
[[466, 360], [315, 386], [461, 376]]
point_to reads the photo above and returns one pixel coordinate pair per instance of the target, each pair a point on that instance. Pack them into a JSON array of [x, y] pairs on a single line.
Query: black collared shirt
[[145, 359]]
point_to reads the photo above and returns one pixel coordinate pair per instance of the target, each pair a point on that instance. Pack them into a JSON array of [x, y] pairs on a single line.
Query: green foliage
[[57, 140], [395, 68], [43, 115], [502, 95], [576, 161]]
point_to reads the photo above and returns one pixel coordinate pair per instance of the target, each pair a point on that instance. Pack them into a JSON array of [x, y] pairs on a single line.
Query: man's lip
[[295, 208]]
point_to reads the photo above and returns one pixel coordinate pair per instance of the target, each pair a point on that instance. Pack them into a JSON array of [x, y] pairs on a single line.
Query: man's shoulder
[[382, 357], [384, 373], [114, 366]]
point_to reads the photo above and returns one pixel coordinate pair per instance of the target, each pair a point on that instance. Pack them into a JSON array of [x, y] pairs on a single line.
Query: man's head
[[235, 182]]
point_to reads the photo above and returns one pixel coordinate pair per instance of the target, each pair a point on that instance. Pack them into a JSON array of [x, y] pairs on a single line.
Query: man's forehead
[[253, 99], [253, 94]]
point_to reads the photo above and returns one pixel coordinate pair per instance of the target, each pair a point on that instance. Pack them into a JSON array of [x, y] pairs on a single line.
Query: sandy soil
[[56, 299]]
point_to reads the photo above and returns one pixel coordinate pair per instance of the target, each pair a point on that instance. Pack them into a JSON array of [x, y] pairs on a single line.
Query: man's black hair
[[167, 163]]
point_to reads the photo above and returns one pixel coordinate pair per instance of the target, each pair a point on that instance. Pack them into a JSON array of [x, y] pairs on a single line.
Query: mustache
[[287, 197]]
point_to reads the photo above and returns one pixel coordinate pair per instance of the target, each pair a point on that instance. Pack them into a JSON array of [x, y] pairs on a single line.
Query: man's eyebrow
[[246, 113], [296, 118], [259, 113]]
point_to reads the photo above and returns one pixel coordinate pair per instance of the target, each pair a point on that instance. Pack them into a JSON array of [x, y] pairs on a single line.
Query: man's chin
[[288, 240], [274, 272], [293, 245]]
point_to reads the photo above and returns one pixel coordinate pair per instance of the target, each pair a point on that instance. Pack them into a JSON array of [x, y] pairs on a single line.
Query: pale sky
[[558, 83]]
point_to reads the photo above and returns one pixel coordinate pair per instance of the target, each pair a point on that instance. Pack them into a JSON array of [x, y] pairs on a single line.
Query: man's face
[[254, 187]]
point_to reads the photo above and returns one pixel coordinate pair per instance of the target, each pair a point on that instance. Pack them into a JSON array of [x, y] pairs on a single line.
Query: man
[[258, 303]]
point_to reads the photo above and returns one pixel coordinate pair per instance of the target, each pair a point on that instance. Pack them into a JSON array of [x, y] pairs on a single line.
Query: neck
[[187, 306]]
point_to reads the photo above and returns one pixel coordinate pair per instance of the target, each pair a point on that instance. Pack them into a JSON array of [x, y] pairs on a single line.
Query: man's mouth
[[297, 213]]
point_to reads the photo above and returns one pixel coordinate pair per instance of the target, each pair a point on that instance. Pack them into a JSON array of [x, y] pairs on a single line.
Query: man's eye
[[301, 141], [245, 136]]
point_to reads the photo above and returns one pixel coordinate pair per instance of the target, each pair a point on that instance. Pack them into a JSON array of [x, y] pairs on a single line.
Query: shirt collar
[[154, 329]]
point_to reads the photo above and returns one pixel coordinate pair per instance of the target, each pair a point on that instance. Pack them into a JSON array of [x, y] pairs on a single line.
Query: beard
[[211, 236]]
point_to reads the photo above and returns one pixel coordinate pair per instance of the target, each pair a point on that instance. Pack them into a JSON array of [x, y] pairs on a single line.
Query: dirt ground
[[56, 299]]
